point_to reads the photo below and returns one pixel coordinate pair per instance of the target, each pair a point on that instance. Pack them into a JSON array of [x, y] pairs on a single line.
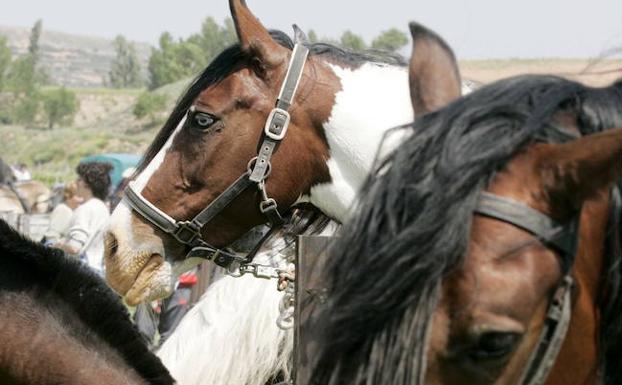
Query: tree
[[25, 79], [35, 35], [390, 40], [175, 60], [60, 106], [164, 65], [352, 41], [312, 36], [5, 61], [125, 69], [148, 104]]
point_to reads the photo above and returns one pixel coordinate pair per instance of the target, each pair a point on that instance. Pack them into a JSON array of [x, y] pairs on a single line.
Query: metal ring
[[251, 165]]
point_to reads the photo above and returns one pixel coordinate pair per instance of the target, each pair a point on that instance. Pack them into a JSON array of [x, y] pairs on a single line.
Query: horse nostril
[[111, 245]]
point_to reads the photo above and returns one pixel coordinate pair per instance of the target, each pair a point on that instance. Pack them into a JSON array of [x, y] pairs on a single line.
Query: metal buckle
[[267, 205], [187, 232], [277, 123]]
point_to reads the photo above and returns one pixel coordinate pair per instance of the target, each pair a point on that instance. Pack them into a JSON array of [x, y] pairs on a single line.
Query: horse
[[340, 111], [10, 202], [25, 197], [61, 323], [486, 249]]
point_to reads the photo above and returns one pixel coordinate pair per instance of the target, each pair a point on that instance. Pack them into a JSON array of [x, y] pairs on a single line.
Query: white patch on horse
[[235, 324], [121, 218], [373, 99]]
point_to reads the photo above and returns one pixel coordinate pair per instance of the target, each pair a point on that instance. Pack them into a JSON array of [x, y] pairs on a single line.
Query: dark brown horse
[[483, 237], [61, 324]]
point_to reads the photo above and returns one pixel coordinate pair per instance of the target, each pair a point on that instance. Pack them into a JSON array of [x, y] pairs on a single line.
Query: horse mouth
[[152, 282]]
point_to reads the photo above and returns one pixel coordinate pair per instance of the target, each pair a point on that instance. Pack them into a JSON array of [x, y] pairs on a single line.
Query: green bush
[[149, 104], [60, 106]]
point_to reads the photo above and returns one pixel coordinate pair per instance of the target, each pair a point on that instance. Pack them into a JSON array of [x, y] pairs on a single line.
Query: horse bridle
[[563, 239], [258, 170]]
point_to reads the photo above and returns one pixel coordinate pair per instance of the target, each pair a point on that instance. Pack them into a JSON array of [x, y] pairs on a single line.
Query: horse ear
[[575, 171], [434, 75], [254, 37]]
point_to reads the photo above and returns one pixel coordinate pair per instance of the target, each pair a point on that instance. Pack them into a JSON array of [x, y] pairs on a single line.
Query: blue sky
[[474, 28]]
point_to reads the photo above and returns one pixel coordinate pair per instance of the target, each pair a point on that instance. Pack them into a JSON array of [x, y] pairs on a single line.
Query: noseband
[[258, 170]]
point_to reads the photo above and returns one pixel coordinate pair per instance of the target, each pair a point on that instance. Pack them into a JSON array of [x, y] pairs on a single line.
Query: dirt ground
[[593, 73]]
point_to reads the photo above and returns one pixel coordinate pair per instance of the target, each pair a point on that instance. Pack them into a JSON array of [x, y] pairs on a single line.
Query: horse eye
[[494, 346], [203, 120]]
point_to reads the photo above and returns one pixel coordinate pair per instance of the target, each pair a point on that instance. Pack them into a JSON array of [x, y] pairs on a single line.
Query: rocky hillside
[[72, 60]]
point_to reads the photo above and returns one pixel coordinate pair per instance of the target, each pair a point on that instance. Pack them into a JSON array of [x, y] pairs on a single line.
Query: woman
[[60, 218], [85, 236]]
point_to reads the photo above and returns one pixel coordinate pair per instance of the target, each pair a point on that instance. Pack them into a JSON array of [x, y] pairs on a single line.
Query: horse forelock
[[412, 223]]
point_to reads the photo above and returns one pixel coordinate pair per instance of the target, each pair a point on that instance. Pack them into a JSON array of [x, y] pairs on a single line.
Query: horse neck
[[578, 358], [47, 347], [373, 98]]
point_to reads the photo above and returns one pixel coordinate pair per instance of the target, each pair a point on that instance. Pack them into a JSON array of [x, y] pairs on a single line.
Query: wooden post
[[311, 291]]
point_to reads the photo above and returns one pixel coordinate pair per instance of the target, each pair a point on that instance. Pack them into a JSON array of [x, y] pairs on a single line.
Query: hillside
[[72, 60], [105, 122]]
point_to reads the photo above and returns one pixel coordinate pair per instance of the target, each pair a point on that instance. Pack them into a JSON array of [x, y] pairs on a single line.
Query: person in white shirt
[[60, 218], [85, 236]]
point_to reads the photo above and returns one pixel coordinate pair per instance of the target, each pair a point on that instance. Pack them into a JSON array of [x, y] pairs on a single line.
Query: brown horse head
[[339, 115], [428, 287]]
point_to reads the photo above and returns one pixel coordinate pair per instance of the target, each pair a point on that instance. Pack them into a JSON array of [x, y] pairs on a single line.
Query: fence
[[31, 225]]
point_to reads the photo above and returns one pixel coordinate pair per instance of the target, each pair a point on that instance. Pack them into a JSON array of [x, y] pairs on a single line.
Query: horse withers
[[61, 324], [487, 247]]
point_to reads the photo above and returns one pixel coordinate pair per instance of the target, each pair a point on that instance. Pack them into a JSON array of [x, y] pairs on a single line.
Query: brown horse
[[34, 197], [487, 247], [340, 112], [61, 324]]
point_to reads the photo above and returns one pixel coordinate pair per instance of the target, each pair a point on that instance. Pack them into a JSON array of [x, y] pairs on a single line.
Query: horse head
[[212, 139], [479, 255], [217, 138]]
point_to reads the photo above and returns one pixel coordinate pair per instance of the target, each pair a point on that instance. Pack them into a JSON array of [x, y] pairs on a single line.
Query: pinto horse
[[486, 248], [61, 324], [343, 104]]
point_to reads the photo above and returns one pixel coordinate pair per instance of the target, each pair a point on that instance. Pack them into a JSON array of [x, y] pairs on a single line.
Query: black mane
[[26, 266], [411, 227], [233, 57]]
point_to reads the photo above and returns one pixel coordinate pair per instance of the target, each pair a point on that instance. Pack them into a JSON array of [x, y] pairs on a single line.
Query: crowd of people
[[76, 226]]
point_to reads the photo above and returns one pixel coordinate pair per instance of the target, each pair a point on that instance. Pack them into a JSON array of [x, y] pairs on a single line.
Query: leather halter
[[189, 232], [562, 238]]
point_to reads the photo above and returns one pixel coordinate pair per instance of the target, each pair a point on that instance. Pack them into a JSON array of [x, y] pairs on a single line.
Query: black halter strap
[[562, 238], [189, 232]]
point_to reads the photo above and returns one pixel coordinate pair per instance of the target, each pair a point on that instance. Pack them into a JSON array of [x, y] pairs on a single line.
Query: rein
[[258, 170]]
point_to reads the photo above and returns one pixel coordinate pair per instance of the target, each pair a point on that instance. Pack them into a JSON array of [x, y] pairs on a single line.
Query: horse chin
[[153, 282]]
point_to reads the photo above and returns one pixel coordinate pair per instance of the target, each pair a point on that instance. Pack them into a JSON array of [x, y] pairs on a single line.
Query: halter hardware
[[189, 232], [277, 123]]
